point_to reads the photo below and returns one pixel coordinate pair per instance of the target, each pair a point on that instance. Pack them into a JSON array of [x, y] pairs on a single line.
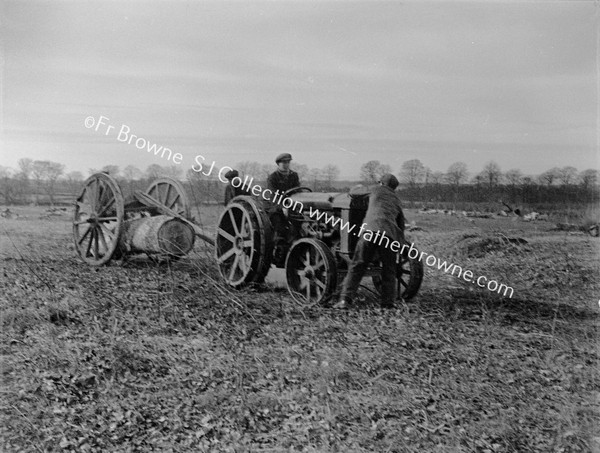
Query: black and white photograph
[[300, 226]]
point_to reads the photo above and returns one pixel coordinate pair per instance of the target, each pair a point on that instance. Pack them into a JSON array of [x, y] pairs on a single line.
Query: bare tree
[[427, 175], [53, 172], [330, 173], [154, 171], [382, 170], [8, 185], [436, 177], [74, 181], [588, 178], [39, 172], [514, 177], [368, 171], [412, 172], [478, 179], [172, 171], [567, 175], [457, 173], [302, 171], [45, 171], [112, 170], [26, 167], [549, 176], [527, 181], [314, 174], [266, 170], [191, 175], [372, 171], [491, 173], [131, 173], [250, 168]]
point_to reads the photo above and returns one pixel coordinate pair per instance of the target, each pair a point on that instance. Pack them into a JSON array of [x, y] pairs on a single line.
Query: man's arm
[[295, 181], [229, 194], [400, 220], [271, 182], [360, 190]]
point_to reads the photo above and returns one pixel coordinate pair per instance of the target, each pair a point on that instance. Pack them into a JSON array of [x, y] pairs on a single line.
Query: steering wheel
[[294, 190]]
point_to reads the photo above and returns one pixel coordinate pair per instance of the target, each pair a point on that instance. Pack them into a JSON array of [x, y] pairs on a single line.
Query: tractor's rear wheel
[[409, 275], [244, 243]]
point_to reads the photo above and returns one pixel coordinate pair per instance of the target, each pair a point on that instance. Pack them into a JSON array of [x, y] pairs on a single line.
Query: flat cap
[[231, 174], [282, 157], [389, 180]]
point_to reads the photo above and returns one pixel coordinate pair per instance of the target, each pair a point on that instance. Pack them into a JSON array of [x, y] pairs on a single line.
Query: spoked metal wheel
[[170, 193], [244, 243], [99, 212], [311, 271], [409, 275]]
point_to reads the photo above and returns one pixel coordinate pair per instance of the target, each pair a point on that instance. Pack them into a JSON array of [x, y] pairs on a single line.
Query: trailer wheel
[[98, 219], [170, 193]]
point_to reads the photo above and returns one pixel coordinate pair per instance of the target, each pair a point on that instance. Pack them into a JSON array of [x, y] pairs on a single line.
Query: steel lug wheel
[[311, 271]]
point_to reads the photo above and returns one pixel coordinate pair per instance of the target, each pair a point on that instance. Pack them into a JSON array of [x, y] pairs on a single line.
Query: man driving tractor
[[281, 180]]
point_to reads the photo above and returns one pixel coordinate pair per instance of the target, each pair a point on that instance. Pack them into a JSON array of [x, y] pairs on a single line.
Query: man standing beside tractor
[[231, 191], [384, 215]]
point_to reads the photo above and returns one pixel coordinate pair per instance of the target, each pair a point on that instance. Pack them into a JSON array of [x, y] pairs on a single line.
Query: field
[[144, 356]]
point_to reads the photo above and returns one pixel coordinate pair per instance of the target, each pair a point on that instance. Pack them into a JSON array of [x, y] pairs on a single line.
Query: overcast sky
[[338, 82]]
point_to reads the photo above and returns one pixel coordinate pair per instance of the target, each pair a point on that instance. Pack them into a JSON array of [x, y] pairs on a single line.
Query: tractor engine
[[312, 216], [329, 217]]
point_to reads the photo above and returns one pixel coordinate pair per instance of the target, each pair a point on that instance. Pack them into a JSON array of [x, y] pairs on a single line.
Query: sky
[[329, 82]]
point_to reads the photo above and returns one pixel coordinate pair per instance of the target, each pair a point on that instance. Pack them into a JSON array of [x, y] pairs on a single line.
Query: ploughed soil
[[147, 356]]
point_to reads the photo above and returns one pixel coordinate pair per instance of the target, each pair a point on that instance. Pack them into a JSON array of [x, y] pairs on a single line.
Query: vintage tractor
[[314, 253]]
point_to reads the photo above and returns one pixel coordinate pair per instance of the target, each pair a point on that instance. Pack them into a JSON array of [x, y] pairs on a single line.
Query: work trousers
[[364, 253]]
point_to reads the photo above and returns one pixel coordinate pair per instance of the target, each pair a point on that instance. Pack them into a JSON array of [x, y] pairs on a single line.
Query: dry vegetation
[[140, 356]]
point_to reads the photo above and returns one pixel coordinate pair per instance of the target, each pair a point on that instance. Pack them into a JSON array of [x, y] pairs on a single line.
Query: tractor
[[314, 253]]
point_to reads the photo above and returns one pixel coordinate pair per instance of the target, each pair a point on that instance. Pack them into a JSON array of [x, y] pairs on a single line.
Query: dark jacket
[[231, 192], [283, 182], [384, 212]]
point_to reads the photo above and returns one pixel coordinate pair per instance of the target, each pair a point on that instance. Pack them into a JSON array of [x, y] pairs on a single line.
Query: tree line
[[41, 181], [44, 181], [556, 185]]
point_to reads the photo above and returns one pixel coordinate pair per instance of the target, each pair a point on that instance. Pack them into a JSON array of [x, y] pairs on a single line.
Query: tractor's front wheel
[[311, 272]]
